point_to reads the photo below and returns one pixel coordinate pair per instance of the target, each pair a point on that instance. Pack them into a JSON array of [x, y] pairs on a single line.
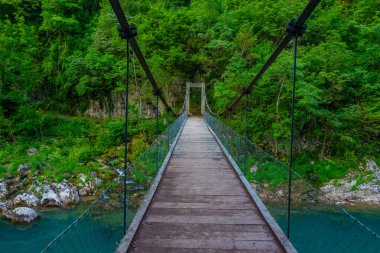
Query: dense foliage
[[57, 55]]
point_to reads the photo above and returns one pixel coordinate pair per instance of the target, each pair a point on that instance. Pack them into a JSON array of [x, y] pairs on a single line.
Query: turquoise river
[[311, 231]]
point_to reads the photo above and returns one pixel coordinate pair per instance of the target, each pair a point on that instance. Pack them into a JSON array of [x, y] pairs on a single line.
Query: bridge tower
[[203, 95]]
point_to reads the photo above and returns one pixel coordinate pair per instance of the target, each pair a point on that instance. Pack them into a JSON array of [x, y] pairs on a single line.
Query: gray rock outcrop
[[25, 198], [50, 198], [3, 189], [23, 169], [21, 214], [67, 193], [69, 196], [32, 151], [350, 190]]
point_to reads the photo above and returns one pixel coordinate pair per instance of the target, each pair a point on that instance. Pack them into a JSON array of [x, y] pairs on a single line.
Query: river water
[[33, 237], [98, 231], [315, 227], [311, 231]]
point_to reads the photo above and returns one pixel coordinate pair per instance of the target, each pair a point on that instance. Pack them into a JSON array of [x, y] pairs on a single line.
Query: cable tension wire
[[126, 34], [295, 32]]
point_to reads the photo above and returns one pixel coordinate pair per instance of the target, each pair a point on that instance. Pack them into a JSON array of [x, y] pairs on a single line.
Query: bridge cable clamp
[[130, 32], [246, 91], [157, 92], [294, 30]]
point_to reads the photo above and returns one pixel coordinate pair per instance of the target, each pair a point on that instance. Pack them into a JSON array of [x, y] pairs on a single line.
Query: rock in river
[[67, 193], [50, 198], [69, 196], [25, 198], [21, 214], [85, 191]]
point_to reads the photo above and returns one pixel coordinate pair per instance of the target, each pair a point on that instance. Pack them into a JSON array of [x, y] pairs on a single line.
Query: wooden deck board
[[201, 205]]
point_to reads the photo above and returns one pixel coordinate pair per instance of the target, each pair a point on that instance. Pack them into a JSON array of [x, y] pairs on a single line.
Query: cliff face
[[108, 107], [113, 106]]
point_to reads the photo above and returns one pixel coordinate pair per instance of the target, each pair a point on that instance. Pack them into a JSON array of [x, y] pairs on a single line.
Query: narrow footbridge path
[[201, 204]]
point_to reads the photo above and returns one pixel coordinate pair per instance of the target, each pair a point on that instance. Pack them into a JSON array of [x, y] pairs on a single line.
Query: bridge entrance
[[203, 95]]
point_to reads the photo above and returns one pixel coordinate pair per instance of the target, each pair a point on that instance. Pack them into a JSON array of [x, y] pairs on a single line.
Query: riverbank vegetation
[[68, 145], [57, 57]]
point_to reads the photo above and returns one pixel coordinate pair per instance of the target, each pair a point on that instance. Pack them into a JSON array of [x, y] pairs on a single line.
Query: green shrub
[[138, 146], [272, 172], [59, 178], [113, 134], [360, 181], [63, 165], [3, 171], [326, 170]]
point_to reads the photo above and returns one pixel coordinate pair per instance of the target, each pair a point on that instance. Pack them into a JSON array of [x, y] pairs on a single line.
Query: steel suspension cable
[[208, 107], [183, 107], [298, 25], [124, 29]]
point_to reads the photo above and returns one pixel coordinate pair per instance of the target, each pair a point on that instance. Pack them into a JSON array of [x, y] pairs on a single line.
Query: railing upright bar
[[157, 141], [168, 130], [126, 142], [245, 134]]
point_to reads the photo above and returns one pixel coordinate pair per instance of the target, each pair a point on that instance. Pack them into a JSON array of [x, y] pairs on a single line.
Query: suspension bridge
[[200, 193], [201, 203]]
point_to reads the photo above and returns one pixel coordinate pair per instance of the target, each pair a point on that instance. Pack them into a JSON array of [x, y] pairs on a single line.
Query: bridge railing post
[[245, 133], [157, 141], [168, 130]]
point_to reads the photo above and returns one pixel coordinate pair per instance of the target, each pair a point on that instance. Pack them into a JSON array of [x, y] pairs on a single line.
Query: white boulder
[[69, 196], [85, 191], [50, 198], [21, 214], [25, 198]]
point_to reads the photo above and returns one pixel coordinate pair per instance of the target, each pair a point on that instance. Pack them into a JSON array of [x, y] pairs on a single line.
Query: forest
[[59, 56]]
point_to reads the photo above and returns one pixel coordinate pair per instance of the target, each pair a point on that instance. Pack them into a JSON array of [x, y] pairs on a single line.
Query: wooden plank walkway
[[201, 205]]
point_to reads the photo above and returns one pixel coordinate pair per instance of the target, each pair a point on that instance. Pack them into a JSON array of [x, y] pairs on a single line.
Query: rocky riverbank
[[22, 193], [359, 187], [41, 194]]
